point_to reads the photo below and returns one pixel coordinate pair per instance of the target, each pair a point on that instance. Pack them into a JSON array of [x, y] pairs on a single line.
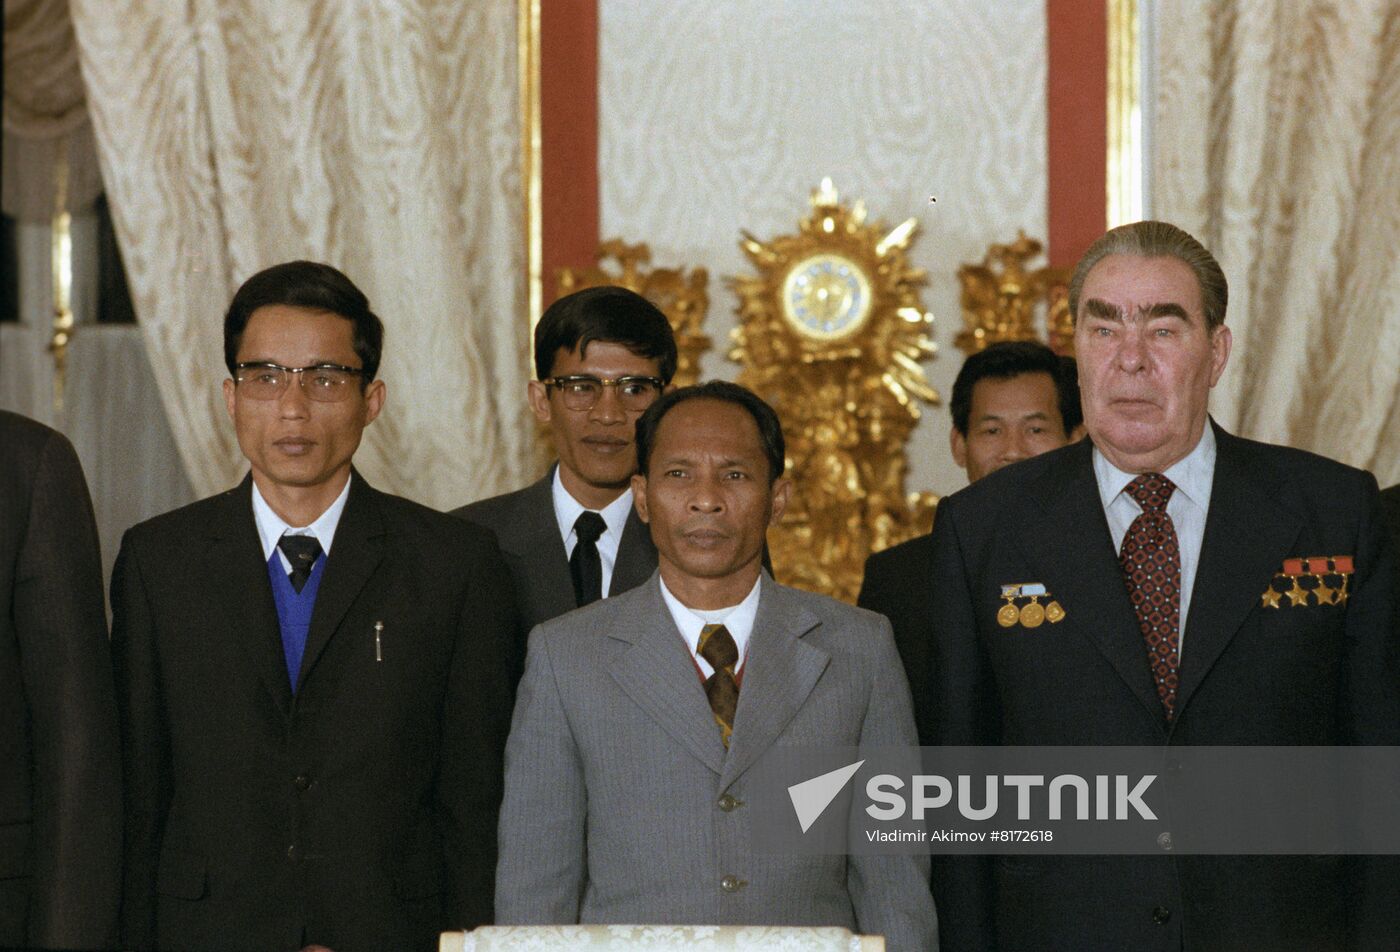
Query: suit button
[[732, 884], [293, 853], [302, 783], [1164, 840], [729, 804], [1160, 915]]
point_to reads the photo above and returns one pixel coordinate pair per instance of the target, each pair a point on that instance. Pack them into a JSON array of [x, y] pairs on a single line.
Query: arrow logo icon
[[810, 798]]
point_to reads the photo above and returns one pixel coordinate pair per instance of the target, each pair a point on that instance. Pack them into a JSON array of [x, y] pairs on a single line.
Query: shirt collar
[[567, 509], [271, 526], [738, 619], [1192, 474]]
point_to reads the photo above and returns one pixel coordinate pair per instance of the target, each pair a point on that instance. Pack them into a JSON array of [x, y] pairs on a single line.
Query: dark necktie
[[302, 551], [1151, 560], [718, 648], [585, 565]]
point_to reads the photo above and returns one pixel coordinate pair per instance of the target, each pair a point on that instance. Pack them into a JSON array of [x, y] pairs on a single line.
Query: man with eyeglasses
[[602, 356], [313, 677]]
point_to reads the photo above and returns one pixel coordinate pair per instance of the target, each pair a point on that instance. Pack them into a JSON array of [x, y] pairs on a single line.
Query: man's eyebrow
[[1102, 310], [1165, 309]]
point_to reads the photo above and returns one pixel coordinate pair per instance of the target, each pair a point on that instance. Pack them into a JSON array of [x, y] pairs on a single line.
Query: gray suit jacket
[[615, 771], [528, 535]]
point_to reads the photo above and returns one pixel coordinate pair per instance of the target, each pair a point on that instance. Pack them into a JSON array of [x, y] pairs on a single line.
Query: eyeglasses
[[326, 383], [582, 391]]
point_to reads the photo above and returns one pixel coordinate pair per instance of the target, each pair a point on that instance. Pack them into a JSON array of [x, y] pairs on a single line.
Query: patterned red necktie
[[1151, 561]]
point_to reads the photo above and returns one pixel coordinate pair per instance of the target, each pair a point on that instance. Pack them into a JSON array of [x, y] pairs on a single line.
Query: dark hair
[[315, 286], [1158, 239], [770, 430], [608, 314], [1012, 359]]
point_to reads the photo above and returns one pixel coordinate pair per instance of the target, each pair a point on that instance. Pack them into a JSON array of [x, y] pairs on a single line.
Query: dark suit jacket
[[60, 783], [524, 524], [1250, 675], [359, 814], [898, 584], [1390, 498]]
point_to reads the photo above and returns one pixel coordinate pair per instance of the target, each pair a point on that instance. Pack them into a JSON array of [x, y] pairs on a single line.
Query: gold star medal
[[1033, 614], [1317, 568], [1297, 595], [1008, 613]]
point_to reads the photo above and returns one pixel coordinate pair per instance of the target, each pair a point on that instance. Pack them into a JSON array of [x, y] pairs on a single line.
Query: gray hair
[[1158, 239]]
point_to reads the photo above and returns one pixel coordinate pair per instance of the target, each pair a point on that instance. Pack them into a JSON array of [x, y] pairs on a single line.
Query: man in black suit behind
[[1165, 546], [1010, 402], [313, 676], [602, 356], [60, 776]]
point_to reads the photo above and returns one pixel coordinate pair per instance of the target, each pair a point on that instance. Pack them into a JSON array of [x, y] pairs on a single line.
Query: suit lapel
[[636, 556], [1239, 554], [659, 675], [538, 544], [780, 672], [236, 574], [1072, 546], [355, 553]]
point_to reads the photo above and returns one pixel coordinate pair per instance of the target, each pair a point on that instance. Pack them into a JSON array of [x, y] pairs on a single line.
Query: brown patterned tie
[[1151, 561], [718, 648]]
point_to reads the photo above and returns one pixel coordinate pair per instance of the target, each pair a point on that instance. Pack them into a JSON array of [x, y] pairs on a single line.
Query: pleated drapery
[[382, 138], [1276, 131]]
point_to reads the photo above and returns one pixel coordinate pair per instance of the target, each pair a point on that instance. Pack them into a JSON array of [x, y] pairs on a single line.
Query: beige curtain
[[381, 137], [1276, 133]]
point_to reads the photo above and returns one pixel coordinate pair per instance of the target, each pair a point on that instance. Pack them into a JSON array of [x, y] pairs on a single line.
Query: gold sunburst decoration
[[831, 333]]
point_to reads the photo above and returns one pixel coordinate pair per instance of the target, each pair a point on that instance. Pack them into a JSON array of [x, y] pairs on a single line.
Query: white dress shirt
[[738, 619], [567, 509], [271, 527], [1192, 475]]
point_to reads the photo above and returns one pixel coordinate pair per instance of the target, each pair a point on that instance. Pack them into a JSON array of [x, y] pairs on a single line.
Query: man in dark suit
[[60, 776], [602, 356], [313, 676], [1135, 590], [1011, 401]]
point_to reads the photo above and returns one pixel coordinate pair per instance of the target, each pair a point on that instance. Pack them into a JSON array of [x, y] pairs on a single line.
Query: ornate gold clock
[[832, 333]]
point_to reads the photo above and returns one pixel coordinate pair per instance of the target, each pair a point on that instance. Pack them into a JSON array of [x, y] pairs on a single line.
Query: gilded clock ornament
[[832, 333]]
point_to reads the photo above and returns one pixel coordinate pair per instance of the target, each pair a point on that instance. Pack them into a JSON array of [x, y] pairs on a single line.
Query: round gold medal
[[1007, 615], [1033, 614], [1053, 612]]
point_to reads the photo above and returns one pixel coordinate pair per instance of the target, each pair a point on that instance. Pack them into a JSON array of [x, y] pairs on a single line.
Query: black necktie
[[585, 565], [302, 551]]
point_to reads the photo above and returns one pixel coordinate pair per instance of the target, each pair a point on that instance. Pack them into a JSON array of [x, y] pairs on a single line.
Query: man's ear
[[374, 400], [639, 497], [958, 444], [782, 492], [1077, 434], [538, 395], [229, 401]]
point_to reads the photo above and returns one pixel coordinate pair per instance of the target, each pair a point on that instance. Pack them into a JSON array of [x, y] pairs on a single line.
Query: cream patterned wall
[[717, 116]]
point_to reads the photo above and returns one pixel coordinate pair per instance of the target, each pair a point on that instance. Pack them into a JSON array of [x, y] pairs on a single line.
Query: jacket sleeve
[[475, 720], [890, 893], [61, 624], [541, 875], [965, 714], [145, 746]]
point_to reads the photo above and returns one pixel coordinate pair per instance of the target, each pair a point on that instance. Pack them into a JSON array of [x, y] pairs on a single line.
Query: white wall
[[718, 115]]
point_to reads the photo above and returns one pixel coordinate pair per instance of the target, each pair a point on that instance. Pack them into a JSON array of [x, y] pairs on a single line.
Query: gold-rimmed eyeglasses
[[583, 391], [326, 383]]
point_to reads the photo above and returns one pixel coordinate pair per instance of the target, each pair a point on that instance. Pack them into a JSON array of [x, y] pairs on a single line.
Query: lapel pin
[[378, 641]]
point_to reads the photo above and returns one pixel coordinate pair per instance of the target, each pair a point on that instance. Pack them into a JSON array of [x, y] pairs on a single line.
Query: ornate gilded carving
[[1001, 297], [831, 333], [681, 296]]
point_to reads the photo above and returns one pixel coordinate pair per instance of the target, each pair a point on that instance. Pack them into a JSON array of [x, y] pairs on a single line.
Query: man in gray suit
[[640, 718], [602, 356]]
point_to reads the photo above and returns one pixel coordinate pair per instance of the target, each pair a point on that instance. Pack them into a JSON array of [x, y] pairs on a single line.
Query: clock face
[[826, 297]]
